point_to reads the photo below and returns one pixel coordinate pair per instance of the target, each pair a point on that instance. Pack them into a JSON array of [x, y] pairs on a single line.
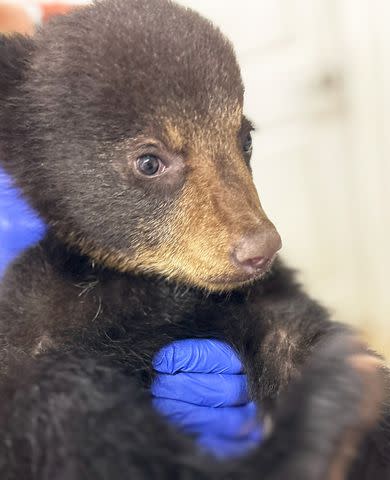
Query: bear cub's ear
[[15, 51]]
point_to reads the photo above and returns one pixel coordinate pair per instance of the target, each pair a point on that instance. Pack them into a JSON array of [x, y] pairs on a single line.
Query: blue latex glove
[[201, 388], [20, 226]]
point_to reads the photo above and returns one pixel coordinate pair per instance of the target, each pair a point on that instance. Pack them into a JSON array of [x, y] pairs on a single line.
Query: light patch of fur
[[44, 344], [173, 136], [280, 344]]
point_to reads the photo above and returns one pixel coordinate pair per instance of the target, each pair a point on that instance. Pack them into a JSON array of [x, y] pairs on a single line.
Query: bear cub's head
[[123, 124]]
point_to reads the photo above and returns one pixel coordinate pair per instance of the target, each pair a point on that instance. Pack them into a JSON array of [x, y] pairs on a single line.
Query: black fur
[[77, 337]]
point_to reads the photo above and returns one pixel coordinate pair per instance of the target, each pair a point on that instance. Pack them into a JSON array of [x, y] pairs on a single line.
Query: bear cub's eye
[[150, 165], [247, 145]]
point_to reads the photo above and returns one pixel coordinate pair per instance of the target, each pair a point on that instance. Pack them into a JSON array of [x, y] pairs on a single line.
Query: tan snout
[[224, 237], [217, 235]]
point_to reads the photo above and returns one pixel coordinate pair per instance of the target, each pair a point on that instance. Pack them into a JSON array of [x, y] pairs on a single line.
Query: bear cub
[[123, 124]]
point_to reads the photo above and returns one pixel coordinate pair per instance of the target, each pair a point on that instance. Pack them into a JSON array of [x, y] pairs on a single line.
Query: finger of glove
[[229, 422], [208, 390], [198, 356], [224, 448]]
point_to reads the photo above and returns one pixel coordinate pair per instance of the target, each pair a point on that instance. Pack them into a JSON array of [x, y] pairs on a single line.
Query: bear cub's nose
[[254, 252]]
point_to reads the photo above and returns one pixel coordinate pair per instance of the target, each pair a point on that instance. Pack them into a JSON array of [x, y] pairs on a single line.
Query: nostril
[[255, 262]]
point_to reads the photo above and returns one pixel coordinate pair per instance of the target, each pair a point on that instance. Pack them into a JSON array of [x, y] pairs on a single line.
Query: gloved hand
[[20, 226], [201, 388]]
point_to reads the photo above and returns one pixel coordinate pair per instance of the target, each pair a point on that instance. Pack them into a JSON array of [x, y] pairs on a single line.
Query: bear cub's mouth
[[241, 279]]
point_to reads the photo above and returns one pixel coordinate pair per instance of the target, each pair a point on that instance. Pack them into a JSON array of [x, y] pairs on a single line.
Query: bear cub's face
[[132, 143]]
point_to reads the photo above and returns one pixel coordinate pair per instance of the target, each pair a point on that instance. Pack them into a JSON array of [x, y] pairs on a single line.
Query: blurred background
[[317, 76]]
